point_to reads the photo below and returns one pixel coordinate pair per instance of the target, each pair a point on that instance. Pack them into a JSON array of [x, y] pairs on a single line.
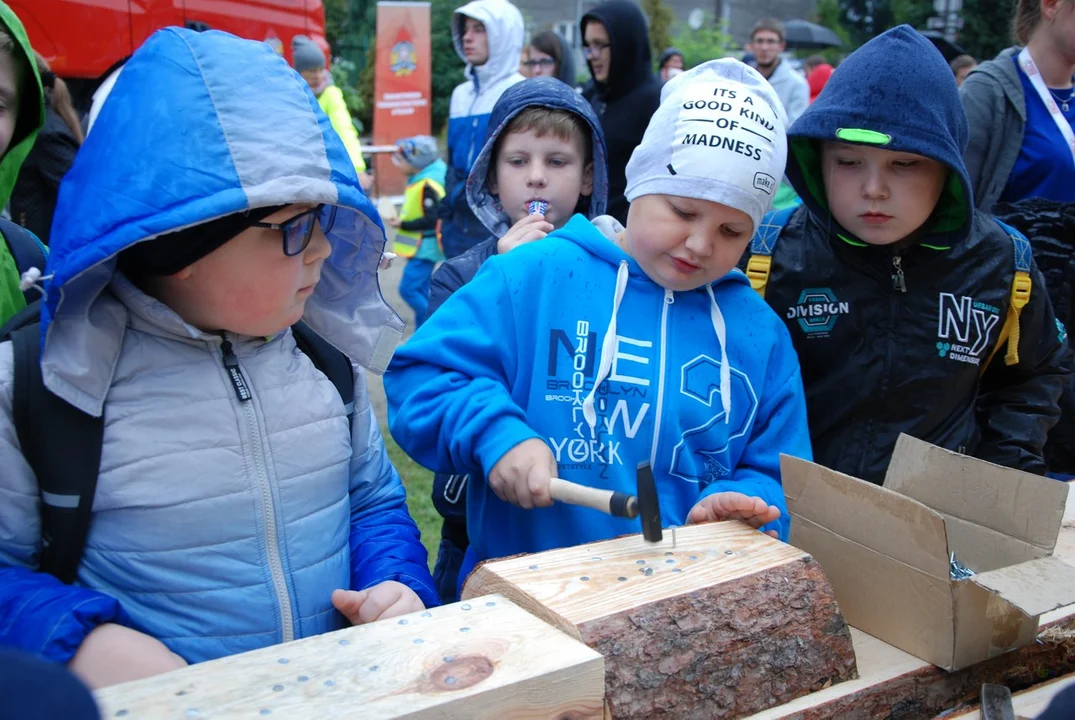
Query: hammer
[[615, 503]]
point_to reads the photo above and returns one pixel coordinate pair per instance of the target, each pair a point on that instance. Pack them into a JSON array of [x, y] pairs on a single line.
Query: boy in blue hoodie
[[550, 144], [895, 290], [600, 348], [239, 503]]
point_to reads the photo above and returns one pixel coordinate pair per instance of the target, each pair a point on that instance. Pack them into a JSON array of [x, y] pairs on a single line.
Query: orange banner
[[402, 84]]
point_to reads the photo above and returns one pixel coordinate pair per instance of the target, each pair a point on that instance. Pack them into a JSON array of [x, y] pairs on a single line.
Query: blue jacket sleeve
[[449, 403], [384, 540], [779, 428], [41, 615], [38, 613]]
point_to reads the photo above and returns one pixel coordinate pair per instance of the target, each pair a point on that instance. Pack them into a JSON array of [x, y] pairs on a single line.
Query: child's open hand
[[735, 506], [530, 228], [523, 475], [380, 602], [113, 654]]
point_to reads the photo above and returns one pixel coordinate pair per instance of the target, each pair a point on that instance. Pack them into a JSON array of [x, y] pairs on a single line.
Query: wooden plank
[[485, 658], [727, 622], [894, 682], [1028, 703]]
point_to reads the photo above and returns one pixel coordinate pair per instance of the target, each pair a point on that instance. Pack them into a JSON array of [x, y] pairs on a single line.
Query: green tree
[[447, 65], [660, 25], [864, 19], [912, 12], [337, 20], [986, 27], [708, 42], [827, 14]]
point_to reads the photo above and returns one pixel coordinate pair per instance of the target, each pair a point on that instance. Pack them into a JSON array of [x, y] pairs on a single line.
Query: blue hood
[[199, 126], [542, 92], [899, 85]]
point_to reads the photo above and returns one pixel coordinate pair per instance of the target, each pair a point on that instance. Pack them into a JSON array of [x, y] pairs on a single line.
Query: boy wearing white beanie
[[602, 348]]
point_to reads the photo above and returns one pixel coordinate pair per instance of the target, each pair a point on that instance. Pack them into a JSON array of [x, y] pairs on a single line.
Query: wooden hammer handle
[[613, 502]]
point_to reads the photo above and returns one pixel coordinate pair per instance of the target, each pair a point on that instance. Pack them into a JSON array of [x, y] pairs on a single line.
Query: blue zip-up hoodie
[[220, 524], [588, 354]]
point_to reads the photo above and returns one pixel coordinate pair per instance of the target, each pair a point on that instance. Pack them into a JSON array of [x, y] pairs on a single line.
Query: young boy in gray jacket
[[239, 503]]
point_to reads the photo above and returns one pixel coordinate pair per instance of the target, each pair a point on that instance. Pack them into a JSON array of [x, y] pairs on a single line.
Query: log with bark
[[726, 623]]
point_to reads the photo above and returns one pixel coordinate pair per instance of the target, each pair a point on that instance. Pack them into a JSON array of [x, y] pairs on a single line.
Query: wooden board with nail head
[[485, 658], [728, 623]]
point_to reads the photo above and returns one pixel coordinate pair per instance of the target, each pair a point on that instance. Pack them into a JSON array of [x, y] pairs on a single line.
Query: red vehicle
[[84, 40]]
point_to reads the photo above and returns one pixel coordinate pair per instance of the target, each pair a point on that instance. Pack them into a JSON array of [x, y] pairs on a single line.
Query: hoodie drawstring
[[33, 278], [717, 318], [608, 349]]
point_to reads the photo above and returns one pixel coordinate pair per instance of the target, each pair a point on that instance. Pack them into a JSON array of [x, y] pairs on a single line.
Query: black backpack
[[62, 444], [27, 251]]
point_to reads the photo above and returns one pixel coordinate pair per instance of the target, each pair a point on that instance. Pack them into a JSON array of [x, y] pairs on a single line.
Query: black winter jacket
[[33, 199], [632, 94], [877, 362], [458, 271], [892, 336]]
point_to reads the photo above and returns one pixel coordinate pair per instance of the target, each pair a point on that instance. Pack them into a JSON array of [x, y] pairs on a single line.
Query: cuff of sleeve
[[66, 636], [425, 591], [502, 436]]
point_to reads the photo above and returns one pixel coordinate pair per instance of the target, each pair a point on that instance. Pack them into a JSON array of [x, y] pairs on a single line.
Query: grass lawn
[[419, 484]]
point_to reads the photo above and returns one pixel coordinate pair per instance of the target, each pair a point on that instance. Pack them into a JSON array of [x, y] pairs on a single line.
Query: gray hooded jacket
[[993, 98]]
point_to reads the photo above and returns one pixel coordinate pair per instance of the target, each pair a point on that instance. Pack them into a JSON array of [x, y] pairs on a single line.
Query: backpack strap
[[67, 478], [763, 245], [27, 251], [334, 364], [1020, 296]]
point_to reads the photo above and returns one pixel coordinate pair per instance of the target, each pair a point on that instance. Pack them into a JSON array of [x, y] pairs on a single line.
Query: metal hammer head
[[649, 508]]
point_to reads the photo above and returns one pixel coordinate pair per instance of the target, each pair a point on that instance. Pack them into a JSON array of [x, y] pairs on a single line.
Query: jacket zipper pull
[[899, 282], [231, 364]]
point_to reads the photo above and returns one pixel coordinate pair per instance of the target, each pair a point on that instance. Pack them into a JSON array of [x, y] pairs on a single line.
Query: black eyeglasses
[[299, 230], [543, 62], [593, 50]]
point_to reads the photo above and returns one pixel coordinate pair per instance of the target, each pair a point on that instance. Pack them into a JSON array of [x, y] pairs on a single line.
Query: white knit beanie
[[718, 135]]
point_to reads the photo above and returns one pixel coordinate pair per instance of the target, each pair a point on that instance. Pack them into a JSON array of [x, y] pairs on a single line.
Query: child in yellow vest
[[416, 226]]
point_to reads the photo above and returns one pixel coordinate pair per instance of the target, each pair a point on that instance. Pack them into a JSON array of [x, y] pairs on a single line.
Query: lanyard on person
[[1027, 63]]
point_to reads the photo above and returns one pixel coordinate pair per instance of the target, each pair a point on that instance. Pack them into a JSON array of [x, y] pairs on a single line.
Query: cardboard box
[[886, 550]]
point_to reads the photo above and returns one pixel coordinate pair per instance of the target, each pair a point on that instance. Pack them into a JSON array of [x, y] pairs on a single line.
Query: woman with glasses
[[625, 91], [548, 55]]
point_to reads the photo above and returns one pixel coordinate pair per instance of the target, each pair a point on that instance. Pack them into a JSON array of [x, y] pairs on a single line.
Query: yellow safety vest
[[408, 241]]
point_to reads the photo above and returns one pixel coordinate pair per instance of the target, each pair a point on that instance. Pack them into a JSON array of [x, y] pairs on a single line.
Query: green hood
[[31, 106]]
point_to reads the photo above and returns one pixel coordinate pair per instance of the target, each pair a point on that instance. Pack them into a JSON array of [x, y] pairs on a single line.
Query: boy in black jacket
[[894, 288]]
